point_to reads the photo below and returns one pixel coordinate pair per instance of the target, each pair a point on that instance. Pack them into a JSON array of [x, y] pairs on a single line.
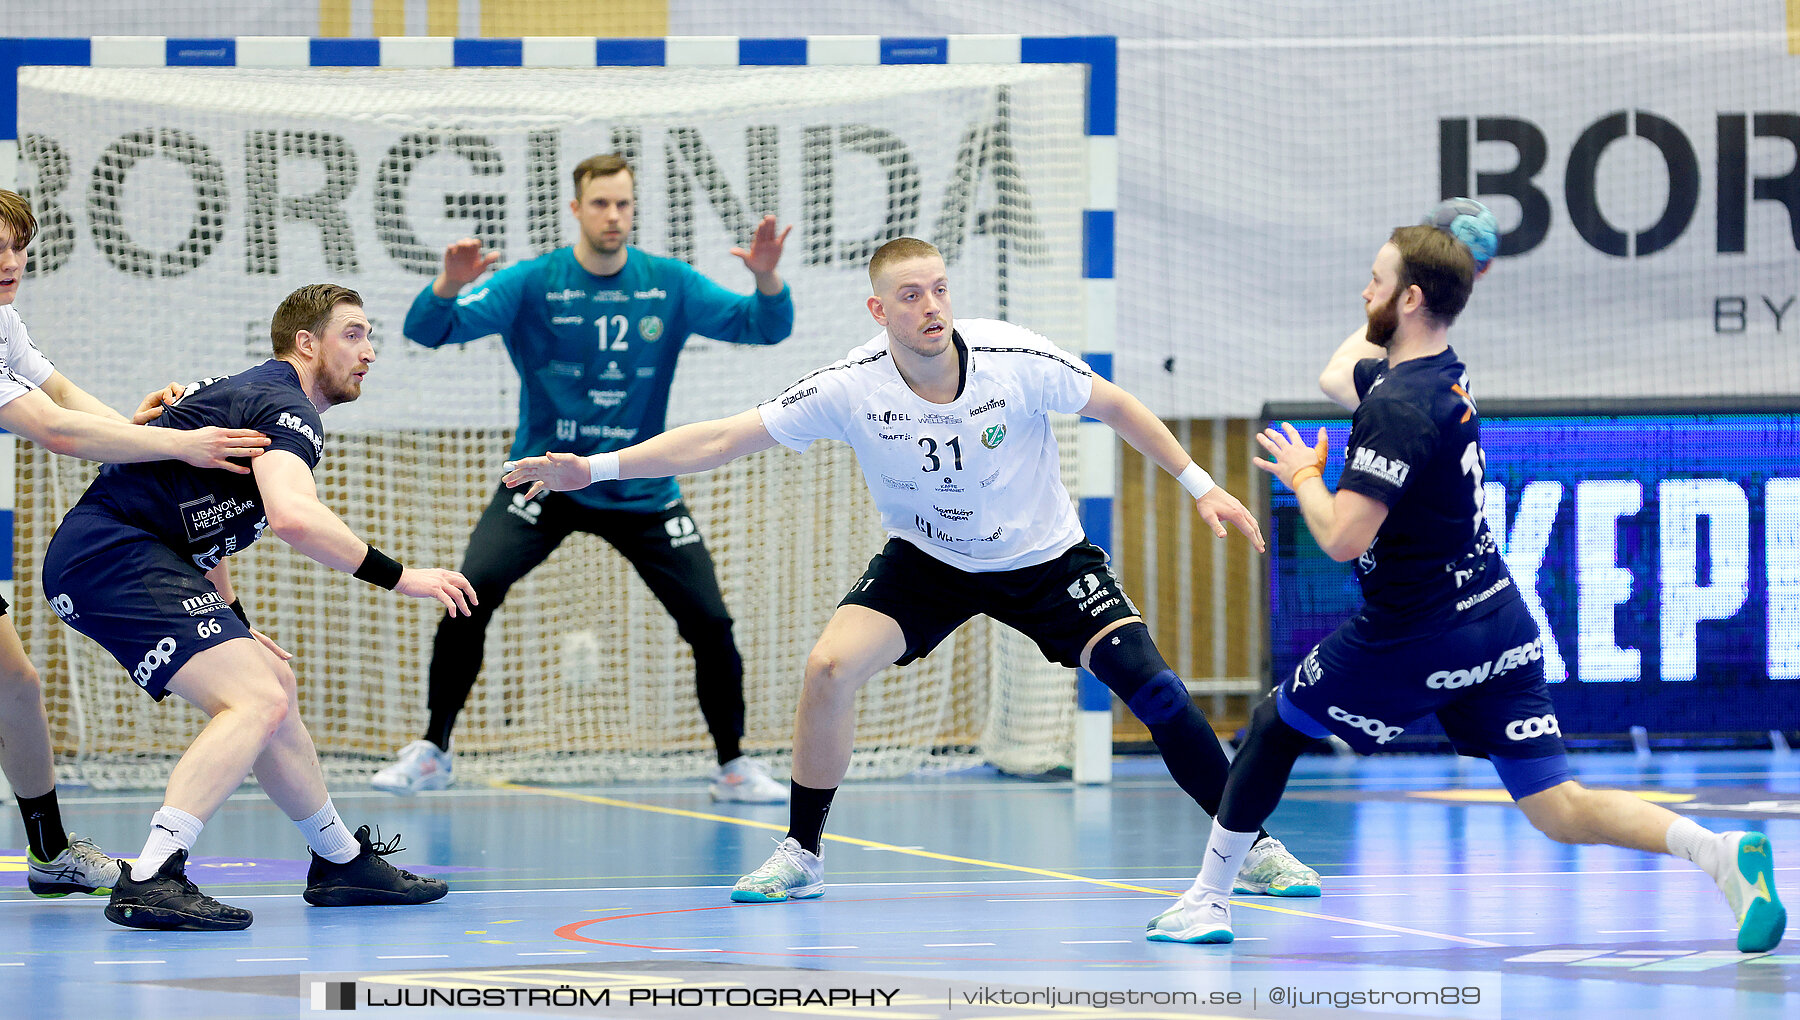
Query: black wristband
[[379, 569], [237, 607]]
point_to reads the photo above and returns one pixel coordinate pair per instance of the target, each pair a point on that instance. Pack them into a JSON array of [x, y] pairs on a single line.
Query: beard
[[1384, 321], [342, 391]]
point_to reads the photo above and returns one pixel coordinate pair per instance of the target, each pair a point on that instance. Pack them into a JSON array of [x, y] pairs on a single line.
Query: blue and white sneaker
[[791, 873], [1270, 868], [1748, 882], [1197, 917]]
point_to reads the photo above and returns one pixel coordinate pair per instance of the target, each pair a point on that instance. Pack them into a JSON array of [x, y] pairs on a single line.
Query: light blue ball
[[1471, 223]]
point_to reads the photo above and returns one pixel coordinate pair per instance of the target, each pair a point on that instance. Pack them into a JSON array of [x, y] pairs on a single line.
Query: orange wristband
[[1303, 474]]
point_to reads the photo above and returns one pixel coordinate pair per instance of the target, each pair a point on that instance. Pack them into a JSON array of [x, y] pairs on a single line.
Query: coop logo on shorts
[[993, 436], [1509, 660], [1381, 731], [650, 327], [154, 659], [1536, 726], [681, 531], [1393, 472]]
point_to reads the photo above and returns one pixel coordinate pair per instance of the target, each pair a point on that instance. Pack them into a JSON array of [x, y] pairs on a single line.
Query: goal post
[[183, 186]]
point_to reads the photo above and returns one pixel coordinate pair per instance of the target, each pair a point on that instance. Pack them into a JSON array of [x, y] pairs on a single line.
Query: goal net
[[179, 205]]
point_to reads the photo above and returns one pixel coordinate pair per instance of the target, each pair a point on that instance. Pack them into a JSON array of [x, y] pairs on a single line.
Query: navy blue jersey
[[207, 514], [596, 354], [1415, 445]]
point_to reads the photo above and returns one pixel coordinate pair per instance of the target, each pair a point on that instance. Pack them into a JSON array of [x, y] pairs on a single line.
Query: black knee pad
[[1127, 661]]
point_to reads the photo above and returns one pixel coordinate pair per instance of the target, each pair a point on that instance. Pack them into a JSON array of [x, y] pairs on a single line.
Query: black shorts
[[142, 601], [1061, 604], [1484, 680]]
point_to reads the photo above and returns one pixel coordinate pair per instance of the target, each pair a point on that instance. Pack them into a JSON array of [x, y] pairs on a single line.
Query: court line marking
[[588, 798]]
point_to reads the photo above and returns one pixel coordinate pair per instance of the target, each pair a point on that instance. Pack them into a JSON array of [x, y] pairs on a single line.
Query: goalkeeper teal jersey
[[596, 354]]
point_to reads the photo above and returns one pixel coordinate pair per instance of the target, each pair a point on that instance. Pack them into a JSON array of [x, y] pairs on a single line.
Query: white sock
[[1225, 852], [171, 829], [1690, 841], [326, 834]]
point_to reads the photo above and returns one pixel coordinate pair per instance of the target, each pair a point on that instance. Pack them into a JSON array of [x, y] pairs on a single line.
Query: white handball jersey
[[23, 367], [975, 483]]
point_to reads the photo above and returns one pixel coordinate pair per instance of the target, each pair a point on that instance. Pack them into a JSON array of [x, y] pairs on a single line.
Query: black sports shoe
[[169, 902], [367, 880]]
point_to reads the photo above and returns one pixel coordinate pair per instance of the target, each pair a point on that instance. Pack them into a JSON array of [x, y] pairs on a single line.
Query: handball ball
[[1471, 223]]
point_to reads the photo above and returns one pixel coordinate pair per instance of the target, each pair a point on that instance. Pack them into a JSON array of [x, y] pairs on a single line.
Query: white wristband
[[1195, 480], [603, 467]]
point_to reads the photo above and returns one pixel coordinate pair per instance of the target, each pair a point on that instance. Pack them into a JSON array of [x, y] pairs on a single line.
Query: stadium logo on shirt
[[993, 436], [798, 395], [292, 421], [989, 406], [650, 327], [1367, 461]]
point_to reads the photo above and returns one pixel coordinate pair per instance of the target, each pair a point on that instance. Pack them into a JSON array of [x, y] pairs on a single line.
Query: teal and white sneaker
[[791, 873], [1197, 917], [1748, 882], [1270, 868]]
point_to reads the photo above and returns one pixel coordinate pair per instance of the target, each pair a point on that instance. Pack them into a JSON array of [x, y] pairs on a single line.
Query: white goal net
[[179, 205]]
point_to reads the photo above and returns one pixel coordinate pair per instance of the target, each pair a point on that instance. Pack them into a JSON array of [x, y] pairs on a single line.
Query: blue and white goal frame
[[1096, 444]]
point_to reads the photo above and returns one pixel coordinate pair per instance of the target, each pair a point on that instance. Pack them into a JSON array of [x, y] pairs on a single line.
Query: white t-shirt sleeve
[[808, 410], [22, 366], [1055, 380]]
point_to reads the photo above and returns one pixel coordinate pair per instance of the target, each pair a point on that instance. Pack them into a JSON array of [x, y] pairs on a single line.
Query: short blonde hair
[[900, 249]]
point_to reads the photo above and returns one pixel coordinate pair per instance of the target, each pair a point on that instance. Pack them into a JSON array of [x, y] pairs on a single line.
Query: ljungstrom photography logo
[[333, 995]]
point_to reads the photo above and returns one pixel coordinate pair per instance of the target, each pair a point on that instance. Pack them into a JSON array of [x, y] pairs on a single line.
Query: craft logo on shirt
[[993, 436], [1393, 472], [292, 421], [904, 437], [989, 406], [650, 327]]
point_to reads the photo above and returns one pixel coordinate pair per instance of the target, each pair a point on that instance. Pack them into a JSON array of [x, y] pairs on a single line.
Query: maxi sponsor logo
[[292, 421], [1367, 461]]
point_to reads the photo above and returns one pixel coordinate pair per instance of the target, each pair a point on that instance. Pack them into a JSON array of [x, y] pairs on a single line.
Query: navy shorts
[[1484, 680], [1060, 605], [142, 601]]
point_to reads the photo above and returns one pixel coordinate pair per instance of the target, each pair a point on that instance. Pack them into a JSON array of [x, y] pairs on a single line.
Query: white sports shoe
[[745, 780], [82, 868], [1196, 917], [421, 767], [1271, 868], [791, 873], [1746, 877]]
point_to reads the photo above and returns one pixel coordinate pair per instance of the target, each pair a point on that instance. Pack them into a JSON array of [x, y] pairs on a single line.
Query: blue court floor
[[963, 895]]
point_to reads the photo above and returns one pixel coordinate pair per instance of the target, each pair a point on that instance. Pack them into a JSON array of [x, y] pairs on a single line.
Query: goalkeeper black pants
[[515, 534]]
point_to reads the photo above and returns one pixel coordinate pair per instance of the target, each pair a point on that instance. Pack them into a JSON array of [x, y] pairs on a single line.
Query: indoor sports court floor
[[965, 895]]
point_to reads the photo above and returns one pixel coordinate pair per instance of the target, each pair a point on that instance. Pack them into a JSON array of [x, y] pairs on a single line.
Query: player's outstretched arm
[[1344, 523], [297, 517], [109, 440], [464, 262], [1127, 415], [764, 254], [701, 446], [1338, 381], [68, 395]]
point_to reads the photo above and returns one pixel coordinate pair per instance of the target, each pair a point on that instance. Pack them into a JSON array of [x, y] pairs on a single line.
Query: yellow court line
[[588, 798]]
